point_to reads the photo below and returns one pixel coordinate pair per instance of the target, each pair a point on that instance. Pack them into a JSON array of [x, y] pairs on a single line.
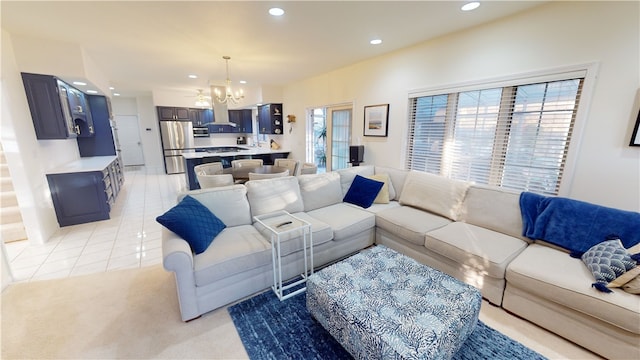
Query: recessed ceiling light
[[193, 76], [470, 6], [111, 88], [116, 94], [91, 92], [243, 81], [79, 83], [375, 42], [276, 11]]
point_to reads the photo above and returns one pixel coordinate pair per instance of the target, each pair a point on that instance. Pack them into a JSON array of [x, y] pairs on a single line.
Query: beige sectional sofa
[[238, 261], [471, 232]]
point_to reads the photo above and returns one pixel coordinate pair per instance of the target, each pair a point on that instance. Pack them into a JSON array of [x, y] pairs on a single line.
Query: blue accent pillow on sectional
[[363, 191], [193, 222]]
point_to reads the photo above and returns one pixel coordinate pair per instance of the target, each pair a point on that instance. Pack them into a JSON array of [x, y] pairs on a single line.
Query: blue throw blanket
[[576, 225]]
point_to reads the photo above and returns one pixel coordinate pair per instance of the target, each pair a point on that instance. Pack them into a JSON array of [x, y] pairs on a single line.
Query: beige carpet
[[133, 314], [127, 314]]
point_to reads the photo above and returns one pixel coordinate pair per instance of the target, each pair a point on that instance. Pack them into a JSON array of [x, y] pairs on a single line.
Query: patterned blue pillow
[[607, 260], [193, 222], [363, 191]]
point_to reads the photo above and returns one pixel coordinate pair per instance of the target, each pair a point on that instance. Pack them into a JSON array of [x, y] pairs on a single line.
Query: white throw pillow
[[434, 193], [320, 190], [347, 175], [228, 203], [271, 195]]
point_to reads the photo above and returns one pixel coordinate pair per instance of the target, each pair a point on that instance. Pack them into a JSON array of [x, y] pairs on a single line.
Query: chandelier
[[229, 95]]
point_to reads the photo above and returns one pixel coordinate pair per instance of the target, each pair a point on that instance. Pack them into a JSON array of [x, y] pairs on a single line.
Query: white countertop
[[192, 154], [85, 164]]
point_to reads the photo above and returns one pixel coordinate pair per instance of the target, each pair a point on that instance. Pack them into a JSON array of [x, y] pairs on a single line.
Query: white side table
[[283, 226]]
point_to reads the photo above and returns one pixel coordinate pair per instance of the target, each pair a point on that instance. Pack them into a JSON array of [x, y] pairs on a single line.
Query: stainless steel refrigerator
[[176, 136]]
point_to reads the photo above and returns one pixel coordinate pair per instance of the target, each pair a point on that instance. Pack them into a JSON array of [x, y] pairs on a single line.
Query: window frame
[[588, 71]]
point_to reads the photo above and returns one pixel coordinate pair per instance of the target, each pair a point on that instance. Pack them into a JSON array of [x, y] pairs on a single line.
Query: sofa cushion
[[485, 250], [384, 196], [229, 203], [345, 221], [606, 261], [236, 250], [292, 241], [397, 177], [493, 208], [434, 193], [363, 191], [348, 174], [193, 222], [271, 195], [409, 223], [524, 272], [320, 190]]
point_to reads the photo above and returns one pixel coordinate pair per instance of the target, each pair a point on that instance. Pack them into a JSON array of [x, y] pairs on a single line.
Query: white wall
[[142, 107], [5, 271], [28, 158], [554, 35]]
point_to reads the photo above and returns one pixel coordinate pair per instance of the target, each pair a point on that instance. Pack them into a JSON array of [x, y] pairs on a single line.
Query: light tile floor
[[131, 238]]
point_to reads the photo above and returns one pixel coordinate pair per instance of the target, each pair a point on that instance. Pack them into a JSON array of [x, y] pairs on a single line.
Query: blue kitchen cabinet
[[200, 117], [49, 106], [79, 197], [243, 120], [270, 119], [80, 112], [85, 196], [173, 113], [102, 143]]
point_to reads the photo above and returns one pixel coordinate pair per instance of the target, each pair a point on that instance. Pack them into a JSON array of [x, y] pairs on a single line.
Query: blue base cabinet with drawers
[[85, 191]]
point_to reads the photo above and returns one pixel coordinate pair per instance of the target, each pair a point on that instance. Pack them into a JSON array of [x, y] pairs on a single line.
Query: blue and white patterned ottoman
[[380, 304]]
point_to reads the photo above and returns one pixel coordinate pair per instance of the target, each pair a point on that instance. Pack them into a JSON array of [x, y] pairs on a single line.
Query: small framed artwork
[[376, 120], [635, 135]]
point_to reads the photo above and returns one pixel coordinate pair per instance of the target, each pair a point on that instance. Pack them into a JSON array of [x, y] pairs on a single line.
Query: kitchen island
[[225, 154]]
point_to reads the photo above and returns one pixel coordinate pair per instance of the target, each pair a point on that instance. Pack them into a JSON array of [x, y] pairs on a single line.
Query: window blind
[[513, 136]]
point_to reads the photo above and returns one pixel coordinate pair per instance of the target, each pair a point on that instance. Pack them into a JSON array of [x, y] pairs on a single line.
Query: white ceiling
[[145, 45]]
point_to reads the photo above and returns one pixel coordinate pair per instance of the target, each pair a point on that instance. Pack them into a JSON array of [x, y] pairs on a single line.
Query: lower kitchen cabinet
[[85, 190]]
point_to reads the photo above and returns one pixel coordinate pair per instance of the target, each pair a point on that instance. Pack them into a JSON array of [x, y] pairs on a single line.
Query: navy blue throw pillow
[[193, 222], [363, 191]]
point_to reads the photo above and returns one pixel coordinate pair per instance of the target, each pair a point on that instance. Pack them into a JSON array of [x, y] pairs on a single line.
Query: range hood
[[220, 110]]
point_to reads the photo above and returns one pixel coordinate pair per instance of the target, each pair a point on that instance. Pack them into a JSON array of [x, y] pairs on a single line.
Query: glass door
[[329, 136], [339, 137]]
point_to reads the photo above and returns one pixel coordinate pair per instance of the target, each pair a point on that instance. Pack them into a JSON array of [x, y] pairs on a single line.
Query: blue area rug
[[271, 329]]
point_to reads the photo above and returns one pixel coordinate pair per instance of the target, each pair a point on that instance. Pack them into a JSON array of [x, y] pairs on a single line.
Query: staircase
[[11, 226]]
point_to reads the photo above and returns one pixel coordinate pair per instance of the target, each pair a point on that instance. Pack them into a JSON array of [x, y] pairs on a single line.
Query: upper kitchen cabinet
[[102, 144], [80, 112], [201, 117], [270, 119], [173, 113], [49, 106], [235, 117], [244, 121]]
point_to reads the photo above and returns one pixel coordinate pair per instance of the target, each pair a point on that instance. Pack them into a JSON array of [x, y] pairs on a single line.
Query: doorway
[[128, 134], [329, 136]]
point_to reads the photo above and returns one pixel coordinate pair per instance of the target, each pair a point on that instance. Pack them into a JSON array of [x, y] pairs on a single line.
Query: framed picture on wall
[[376, 120], [635, 135]]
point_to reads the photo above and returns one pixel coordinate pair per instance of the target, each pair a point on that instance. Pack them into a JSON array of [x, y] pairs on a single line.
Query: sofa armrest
[[176, 252], [177, 257]]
